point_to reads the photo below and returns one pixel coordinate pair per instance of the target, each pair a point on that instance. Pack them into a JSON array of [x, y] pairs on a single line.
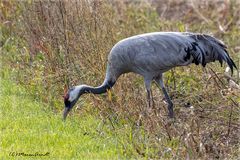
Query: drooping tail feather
[[205, 48]]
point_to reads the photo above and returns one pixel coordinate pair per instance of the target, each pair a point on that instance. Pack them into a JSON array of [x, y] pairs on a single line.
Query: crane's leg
[[145, 110], [159, 80], [148, 89], [153, 104]]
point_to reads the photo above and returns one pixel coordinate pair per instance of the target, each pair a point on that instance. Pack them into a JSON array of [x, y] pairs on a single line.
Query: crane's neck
[[109, 81], [95, 90]]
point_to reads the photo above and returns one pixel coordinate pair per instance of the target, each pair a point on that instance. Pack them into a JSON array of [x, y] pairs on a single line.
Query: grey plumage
[[152, 54]]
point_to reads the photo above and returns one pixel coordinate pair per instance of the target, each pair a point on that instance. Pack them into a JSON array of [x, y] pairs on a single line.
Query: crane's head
[[70, 99]]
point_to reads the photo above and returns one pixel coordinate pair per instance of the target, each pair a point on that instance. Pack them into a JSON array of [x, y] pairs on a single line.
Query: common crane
[[150, 55]]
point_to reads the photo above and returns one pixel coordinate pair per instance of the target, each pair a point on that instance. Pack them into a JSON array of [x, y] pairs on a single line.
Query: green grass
[[30, 127]]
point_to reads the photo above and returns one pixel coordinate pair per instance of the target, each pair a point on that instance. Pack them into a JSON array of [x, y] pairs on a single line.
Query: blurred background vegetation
[[50, 45]]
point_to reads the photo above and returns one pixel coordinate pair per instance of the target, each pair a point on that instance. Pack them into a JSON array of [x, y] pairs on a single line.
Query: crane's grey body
[[152, 54], [148, 54]]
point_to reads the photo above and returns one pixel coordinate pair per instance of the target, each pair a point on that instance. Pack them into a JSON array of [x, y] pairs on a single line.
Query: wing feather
[[205, 48]]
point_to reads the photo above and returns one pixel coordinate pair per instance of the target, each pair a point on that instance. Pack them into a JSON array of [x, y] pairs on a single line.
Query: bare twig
[[200, 15], [229, 121]]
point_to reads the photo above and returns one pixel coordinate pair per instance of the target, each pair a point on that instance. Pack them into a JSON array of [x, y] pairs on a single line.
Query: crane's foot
[[170, 111]]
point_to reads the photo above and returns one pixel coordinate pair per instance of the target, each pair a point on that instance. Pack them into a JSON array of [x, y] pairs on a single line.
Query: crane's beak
[[68, 108], [65, 112]]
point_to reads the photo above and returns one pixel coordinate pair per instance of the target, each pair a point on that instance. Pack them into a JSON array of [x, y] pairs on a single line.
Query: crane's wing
[[204, 48]]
